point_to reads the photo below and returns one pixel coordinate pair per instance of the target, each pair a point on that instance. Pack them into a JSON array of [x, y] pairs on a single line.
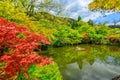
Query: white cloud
[[92, 16], [80, 8], [84, 3], [69, 6]]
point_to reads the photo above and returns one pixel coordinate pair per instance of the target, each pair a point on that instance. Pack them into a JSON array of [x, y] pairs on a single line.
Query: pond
[[87, 62]]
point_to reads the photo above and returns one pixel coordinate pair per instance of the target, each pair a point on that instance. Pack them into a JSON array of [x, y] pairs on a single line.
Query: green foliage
[[31, 7], [44, 19], [90, 22], [96, 34], [79, 18], [60, 33], [21, 35], [10, 13], [47, 72], [66, 36], [21, 76]]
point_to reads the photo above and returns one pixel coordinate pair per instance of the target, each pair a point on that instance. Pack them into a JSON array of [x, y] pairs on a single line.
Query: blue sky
[[109, 19]]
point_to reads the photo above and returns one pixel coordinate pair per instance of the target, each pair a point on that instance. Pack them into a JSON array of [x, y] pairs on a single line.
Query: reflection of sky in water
[[98, 71]]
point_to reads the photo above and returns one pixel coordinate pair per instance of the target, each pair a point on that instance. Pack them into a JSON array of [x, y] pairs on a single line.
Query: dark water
[[87, 62]]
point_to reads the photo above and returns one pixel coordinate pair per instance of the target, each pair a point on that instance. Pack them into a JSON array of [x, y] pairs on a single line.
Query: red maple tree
[[17, 45]]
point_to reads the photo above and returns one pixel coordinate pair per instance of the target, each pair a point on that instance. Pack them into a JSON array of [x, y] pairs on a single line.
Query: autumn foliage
[[105, 5], [114, 38], [17, 49], [86, 37]]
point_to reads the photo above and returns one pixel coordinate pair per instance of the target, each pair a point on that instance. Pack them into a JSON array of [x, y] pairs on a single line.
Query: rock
[[78, 48], [116, 78]]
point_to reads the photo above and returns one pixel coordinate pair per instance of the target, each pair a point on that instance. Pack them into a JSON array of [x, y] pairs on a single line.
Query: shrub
[[114, 38], [48, 72]]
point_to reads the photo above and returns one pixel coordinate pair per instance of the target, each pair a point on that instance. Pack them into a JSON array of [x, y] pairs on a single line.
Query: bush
[[48, 72]]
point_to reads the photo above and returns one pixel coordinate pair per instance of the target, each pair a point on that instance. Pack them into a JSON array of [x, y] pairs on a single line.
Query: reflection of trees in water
[[67, 55]]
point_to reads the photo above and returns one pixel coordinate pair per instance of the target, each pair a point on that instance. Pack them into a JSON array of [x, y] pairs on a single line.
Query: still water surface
[[87, 62]]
